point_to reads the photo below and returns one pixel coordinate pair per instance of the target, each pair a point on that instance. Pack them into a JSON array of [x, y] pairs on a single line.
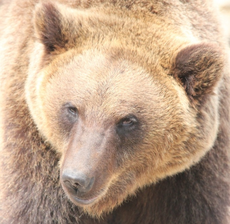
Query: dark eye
[[72, 110], [128, 123], [68, 117]]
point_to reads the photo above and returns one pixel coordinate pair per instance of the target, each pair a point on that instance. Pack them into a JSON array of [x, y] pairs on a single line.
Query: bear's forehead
[[100, 77]]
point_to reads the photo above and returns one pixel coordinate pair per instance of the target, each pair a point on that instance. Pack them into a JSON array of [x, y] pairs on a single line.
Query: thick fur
[[162, 63]]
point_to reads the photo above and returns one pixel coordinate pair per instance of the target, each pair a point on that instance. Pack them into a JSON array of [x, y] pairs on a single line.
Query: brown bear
[[113, 112]]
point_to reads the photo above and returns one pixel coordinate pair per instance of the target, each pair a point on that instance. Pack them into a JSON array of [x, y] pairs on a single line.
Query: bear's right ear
[[198, 68], [52, 29]]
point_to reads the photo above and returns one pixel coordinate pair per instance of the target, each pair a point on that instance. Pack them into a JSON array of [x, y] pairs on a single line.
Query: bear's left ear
[[198, 68], [54, 30]]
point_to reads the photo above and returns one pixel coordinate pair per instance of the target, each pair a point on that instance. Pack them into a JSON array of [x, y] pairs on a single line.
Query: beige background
[[224, 6]]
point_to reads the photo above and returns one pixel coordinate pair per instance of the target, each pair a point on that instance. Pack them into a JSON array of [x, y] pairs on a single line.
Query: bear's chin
[[97, 205]]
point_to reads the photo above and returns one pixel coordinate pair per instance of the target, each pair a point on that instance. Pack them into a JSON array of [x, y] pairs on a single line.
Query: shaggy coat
[[113, 112]]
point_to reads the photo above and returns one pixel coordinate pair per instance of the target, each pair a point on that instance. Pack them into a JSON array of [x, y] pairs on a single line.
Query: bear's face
[[114, 126], [117, 125]]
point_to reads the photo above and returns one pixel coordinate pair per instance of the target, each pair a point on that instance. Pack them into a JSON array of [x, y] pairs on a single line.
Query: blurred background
[[224, 6]]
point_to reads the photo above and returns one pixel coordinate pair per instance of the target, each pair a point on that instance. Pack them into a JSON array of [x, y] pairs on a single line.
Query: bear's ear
[[52, 28], [198, 68]]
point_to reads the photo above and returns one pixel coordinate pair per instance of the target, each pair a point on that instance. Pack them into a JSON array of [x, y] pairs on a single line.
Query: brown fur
[[76, 75]]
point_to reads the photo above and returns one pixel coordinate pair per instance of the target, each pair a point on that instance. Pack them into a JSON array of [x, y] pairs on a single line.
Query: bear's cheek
[[56, 124]]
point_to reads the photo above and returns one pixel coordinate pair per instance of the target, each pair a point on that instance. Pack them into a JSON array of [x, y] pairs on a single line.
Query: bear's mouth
[[81, 201]]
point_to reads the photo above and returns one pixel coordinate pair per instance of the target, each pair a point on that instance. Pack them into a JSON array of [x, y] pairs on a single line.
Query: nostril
[[71, 184], [76, 185], [77, 182]]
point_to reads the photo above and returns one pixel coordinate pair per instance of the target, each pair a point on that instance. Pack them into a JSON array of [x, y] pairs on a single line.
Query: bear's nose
[[77, 183]]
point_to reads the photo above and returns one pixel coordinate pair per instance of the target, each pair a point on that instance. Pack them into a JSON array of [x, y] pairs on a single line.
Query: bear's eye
[[72, 110], [128, 123], [68, 117]]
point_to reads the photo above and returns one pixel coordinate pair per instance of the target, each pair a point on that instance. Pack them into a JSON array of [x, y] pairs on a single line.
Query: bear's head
[[118, 118]]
